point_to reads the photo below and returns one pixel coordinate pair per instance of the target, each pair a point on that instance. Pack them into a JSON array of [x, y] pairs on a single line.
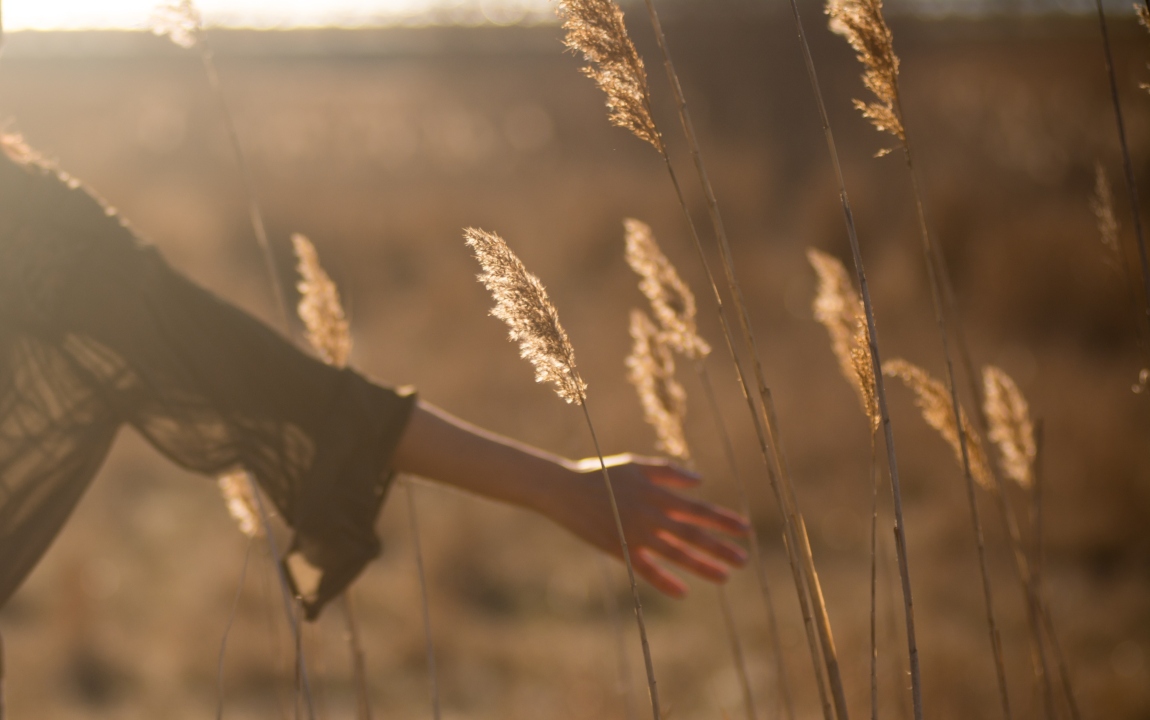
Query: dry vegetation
[[381, 155]]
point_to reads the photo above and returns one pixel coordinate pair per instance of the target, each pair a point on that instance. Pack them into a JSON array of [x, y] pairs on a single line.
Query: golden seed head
[[862, 23], [1011, 430], [840, 311], [1104, 217], [178, 20], [934, 400], [236, 487], [596, 29], [671, 299], [319, 306], [533, 322], [651, 369]]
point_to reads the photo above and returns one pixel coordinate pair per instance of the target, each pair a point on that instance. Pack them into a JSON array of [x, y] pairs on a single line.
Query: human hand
[[657, 522]]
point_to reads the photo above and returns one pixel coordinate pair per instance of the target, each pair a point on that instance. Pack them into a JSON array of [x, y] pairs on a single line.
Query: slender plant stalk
[[647, 662], [359, 665], [432, 674], [227, 632], [873, 578], [788, 507], [1127, 163], [624, 681], [737, 651], [2, 713], [783, 686]]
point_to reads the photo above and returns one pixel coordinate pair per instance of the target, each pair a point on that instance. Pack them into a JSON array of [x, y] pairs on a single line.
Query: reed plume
[[521, 302], [319, 306], [236, 487], [533, 322], [862, 23], [671, 299], [840, 311], [1143, 12], [596, 29], [1102, 204], [651, 369], [1011, 429], [934, 400], [179, 21]]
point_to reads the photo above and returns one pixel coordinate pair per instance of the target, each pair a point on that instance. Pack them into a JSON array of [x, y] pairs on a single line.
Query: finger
[[671, 476], [643, 563], [721, 549], [712, 517], [682, 554]]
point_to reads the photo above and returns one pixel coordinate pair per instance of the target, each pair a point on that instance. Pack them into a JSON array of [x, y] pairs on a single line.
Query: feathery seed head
[[1143, 15], [1104, 217], [651, 369], [840, 311], [934, 400], [178, 20], [596, 29], [1010, 427], [671, 299], [862, 23], [236, 488], [533, 322], [319, 306]]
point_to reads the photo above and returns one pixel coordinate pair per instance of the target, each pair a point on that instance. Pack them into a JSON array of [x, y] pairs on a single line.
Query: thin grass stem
[[737, 651], [735, 291], [783, 686], [227, 632], [872, 333], [358, 663], [624, 681], [1127, 163], [647, 662], [873, 578], [429, 641]]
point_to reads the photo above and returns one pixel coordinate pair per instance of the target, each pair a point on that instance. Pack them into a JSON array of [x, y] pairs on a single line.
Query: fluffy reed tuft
[[651, 369], [671, 299], [862, 23], [179, 21], [319, 306], [840, 311], [1010, 427], [933, 398], [236, 487], [533, 322], [1104, 218], [596, 29]]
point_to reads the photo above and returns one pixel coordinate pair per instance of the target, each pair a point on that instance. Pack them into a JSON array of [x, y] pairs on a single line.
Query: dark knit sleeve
[[97, 331]]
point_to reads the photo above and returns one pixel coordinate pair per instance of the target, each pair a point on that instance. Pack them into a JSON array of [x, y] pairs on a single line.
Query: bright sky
[[135, 14]]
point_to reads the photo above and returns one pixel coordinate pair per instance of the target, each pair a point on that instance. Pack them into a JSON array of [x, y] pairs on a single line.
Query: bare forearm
[[441, 447]]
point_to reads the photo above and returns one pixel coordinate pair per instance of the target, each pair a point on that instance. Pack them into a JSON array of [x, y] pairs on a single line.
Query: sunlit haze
[[135, 14]]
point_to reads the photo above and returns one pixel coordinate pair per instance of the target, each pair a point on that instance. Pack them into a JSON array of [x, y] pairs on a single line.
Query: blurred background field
[[381, 145]]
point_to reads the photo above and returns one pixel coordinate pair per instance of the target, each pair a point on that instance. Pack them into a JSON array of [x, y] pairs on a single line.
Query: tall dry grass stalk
[[533, 322], [1127, 162], [838, 308], [674, 306], [1110, 233], [862, 23], [1143, 12], [591, 27], [1011, 429]]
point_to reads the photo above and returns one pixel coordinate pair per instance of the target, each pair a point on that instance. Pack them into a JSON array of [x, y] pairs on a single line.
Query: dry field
[[382, 145]]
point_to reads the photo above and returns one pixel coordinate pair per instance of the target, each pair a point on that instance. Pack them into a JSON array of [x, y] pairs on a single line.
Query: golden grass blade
[[840, 311], [934, 400], [862, 23], [596, 29], [1010, 427], [521, 301], [179, 21], [671, 299], [651, 369], [319, 306]]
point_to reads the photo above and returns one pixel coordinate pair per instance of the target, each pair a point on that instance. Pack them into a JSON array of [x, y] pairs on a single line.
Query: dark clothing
[[97, 331]]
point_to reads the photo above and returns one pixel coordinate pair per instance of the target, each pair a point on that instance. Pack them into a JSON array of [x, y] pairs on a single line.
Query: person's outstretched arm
[[656, 520]]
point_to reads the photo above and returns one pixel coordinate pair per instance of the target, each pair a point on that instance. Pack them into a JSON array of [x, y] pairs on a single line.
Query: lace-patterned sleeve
[[96, 331]]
